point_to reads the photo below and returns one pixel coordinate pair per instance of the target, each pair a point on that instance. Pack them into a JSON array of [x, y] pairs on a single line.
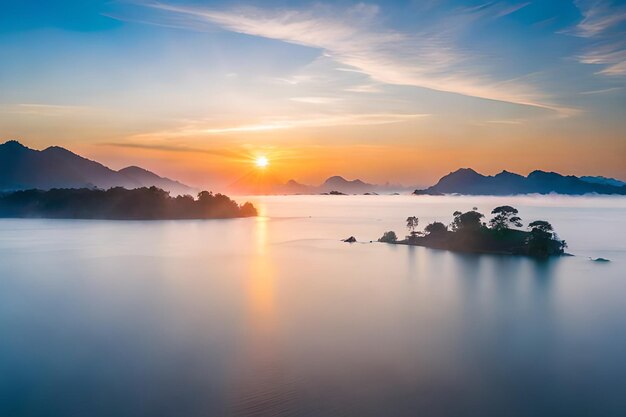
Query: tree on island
[[389, 237], [469, 233], [411, 224], [247, 210], [542, 240], [468, 221], [541, 228], [436, 228], [505, 217]]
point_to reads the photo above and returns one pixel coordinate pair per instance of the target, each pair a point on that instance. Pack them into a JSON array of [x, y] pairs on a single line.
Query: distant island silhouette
[[468, 232], [255, 183], [469, 182], [119, 204], [462, 181], [22, 168]]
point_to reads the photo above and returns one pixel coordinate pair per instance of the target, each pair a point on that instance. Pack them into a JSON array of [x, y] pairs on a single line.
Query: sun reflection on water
[[260, 383]]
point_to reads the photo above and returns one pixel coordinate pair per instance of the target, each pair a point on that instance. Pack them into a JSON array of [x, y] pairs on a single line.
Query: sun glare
[[261, 162]]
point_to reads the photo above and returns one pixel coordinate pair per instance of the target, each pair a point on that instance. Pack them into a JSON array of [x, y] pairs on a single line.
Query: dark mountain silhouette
[[55, 167], [146, 178], [294, 187], [603, 180], [264, 182], [468, 181]]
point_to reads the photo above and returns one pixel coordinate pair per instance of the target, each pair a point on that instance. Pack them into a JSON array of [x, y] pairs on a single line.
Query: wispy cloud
[[612, 55], [174, 148], [495, 9], [602, 91], [512, 9], [201, 128], [364, 88], [355, 39], [603, 24], [598, 17]]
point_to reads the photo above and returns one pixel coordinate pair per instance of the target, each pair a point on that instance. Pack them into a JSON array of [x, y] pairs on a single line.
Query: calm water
[[275, 317]]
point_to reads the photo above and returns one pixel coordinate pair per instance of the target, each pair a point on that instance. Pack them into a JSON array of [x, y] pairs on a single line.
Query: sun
[[261, 162]]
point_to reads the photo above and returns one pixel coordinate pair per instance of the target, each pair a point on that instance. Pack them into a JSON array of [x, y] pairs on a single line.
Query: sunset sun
[[261, 162]]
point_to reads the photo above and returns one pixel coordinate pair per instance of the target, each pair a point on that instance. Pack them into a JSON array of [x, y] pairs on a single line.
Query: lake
[[274, 316]]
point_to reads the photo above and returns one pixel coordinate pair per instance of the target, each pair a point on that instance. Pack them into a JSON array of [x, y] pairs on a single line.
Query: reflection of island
[[119, 203], [468, 233]]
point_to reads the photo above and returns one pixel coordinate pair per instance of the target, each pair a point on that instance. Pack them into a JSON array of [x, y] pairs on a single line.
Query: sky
[[397, 91]]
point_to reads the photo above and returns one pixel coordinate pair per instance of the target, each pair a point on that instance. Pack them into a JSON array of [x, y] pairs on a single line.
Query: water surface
[[274, 316]]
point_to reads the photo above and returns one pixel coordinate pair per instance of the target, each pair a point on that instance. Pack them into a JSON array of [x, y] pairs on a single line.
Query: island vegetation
[[120, 204], [469, 232]]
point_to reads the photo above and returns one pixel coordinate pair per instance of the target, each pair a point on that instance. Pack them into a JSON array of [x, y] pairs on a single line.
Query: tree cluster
[[120, 203], [469, 231]]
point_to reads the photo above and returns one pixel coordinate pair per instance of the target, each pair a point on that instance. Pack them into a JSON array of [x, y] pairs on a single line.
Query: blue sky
[[288, 75]]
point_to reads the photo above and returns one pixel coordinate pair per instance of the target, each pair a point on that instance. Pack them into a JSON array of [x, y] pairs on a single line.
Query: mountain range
[[338, 184], [55, 167], [469, 182]]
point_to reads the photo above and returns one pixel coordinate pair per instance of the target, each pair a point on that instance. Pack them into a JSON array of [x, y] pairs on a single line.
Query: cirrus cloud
[[355, 38]]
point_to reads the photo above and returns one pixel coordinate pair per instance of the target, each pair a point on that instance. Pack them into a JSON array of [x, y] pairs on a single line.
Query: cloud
[[602, 91], [355, 39], [364, 88], [201, 127], [495, 9], [512, 9], [612, 55], [618, 68], [598, 17], [603, 23], [173, 148]]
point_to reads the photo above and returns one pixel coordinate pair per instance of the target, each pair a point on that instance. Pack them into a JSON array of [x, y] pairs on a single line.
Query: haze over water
[[274, 316]]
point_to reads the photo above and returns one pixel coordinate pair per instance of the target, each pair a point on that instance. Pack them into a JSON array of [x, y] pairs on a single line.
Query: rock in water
[[601, 260], [351, 239]]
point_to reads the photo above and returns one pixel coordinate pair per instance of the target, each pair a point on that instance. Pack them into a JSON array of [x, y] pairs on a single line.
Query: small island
[[468, 232], [119, 204]]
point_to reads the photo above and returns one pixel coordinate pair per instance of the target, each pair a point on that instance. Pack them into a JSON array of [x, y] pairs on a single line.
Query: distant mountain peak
[[466, 170], [508, 174], [135, 168], [14, 144], [603, 180], [468, 181], [335, 178], [60, 151], [541, 172], [57, 167]]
